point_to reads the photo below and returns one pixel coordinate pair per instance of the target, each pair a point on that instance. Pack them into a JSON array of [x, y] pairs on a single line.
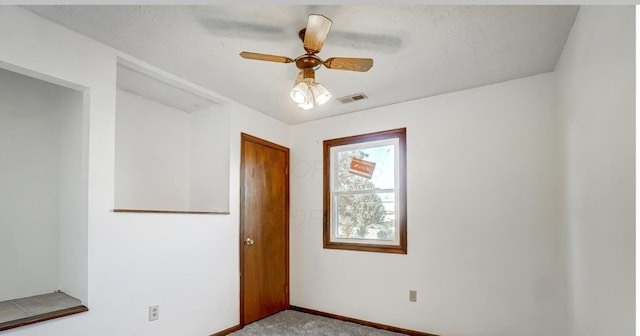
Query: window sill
[[34, 309]]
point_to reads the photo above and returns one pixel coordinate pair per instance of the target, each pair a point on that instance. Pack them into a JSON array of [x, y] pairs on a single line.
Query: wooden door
[[264, 229]]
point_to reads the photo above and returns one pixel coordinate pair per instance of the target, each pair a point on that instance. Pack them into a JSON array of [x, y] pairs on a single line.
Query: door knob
[[249, 241]]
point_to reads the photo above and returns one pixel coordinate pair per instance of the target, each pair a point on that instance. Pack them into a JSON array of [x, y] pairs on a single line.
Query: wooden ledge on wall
[[39, 308], [173, 212]]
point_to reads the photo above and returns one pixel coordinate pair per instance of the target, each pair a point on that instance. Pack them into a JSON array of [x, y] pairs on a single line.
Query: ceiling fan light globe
[[298, 97], [321, 100], [299, 93], [321, 94]]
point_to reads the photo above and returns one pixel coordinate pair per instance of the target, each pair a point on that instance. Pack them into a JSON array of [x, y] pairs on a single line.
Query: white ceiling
[[418, 50]]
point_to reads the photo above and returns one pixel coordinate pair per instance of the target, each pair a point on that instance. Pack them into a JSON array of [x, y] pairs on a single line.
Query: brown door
[[264, 229]]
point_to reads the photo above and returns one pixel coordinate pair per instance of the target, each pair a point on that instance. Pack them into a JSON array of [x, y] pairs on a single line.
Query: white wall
[[209, 151], [484, 217], [152, 156], [597, 88], [72, 187], [168, 159], [41, 199], [29, 175], [187, 264]]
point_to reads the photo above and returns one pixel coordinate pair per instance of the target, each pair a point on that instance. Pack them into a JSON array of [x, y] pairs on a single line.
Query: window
[[365, 192]]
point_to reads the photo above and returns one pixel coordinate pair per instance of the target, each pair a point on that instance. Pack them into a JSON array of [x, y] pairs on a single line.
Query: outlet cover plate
[[154, 313]]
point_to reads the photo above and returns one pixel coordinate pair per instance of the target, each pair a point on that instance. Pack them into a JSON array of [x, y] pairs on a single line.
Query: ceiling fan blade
[[351, 64], [318, 27], [265, 57]]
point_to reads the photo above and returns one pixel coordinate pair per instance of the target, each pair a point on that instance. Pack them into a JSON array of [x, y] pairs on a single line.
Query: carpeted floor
[[293, 323]]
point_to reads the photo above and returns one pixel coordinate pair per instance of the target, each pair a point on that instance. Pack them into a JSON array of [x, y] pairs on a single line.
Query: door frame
[[244, 137]]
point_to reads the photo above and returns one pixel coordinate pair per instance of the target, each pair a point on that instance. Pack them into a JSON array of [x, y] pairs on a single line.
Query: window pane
[[366, 216], [367, 168]]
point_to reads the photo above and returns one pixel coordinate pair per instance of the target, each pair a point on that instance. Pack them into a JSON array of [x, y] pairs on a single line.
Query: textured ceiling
[[418, 50]]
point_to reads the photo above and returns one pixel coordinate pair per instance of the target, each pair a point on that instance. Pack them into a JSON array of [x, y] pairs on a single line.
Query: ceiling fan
[[307, 93]]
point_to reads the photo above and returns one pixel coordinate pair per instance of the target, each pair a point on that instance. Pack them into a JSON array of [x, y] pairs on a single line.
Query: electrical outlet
[[154, 313], [413, 295]]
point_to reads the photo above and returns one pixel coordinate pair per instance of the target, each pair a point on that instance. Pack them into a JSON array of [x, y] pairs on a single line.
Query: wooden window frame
[[401, 215]]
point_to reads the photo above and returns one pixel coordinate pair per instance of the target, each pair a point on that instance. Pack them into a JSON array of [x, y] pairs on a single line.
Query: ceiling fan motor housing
[[308, 61]]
